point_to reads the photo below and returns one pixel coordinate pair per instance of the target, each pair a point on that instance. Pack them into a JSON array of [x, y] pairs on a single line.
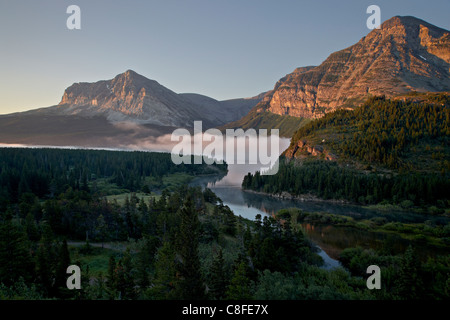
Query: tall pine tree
[[240, 286], [61, 269], [15, 259], [218, 280], [190, 284]]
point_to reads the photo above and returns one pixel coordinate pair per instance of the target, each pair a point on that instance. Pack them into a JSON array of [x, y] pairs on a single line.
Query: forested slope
[[385, 150]]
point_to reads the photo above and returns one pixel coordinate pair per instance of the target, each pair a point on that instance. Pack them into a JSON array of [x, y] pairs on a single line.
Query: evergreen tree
[[145, 260], [266, 257], [165, 273], [409, 284], [84, 183], [229, 222], [111, 280], [247, 237], [190, 284], [218, 279], [31, 228], [61, 269], [44, 268], [53, 215], [46, 260], [98, 290], [240, 286], [102, 229], [121, 281], [83, 294], [127, 287], [15, 259]]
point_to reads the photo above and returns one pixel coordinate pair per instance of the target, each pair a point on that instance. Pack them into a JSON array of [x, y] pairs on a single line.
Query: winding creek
[[330, 240]]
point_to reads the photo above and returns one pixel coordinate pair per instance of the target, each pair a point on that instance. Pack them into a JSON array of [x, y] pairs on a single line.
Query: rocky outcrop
[[405, 54], [303, 149]]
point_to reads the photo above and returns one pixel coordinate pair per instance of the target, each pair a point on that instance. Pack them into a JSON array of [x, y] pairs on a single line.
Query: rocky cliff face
[[132, 97], [406, 54], [127, 96], [303, 149], [125, 93]]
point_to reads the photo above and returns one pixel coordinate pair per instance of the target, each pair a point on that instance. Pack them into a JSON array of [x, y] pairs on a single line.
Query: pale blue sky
[[221, 48]]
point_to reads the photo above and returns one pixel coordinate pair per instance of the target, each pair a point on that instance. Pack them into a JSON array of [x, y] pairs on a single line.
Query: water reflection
[[331, 240], [229, 190]]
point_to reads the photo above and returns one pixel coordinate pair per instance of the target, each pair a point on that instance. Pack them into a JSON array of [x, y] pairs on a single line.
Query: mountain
[[123, 109], [132, 97], [406, 54]]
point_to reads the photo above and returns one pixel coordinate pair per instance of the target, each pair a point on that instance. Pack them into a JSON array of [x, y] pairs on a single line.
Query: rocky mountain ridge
[[132, 97], [406, 54]]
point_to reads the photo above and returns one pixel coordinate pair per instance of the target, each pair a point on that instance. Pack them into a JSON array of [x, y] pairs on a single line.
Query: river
[[330, 240], [248, 205]]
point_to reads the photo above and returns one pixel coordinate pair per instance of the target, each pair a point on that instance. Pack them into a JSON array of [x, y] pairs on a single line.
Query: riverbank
[[431, 210], [303, 197], [386, 207], [426, 233]]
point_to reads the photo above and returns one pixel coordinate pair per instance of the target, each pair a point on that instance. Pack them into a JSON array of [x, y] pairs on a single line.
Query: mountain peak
[[402, 21], [405, 54], [411, 25], [130, 73], [133, 77], [130, 96], [125, 92]]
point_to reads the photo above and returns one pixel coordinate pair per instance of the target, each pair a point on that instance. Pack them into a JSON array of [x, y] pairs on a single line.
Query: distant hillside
[[260, 119], [409, 132]]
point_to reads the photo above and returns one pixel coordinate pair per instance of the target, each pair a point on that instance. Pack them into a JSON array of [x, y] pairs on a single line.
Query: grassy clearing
[[172, 181], [121, 198], [105, 187], [112, 192], [97, 259]]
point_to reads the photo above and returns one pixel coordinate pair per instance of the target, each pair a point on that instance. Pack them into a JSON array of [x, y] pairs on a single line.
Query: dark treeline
[[382, 131], [49, 172], [328, 180]]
